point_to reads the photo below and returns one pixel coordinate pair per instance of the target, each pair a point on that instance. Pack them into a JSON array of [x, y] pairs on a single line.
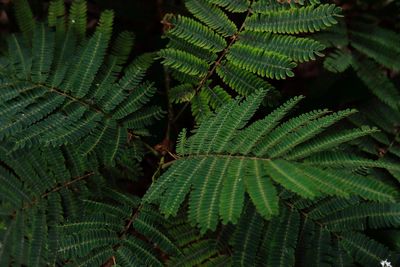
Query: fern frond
[[56, 14], [265, 64], [212, 16], [195, 33], [377, 43], [282, 234], [25, 19], [42, 49], [377, 82], [298, 49], [363, 249], [213, 176], [296, 20], [78, 18], [247, 238], [242, 81], [338, 61], [232, 6], [184, 62], [61, 101], [362, 216]]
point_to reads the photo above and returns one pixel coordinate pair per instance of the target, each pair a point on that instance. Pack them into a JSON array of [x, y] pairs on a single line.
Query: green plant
[[253, 184]]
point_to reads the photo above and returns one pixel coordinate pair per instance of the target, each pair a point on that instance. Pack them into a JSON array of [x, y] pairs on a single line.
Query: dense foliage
[[103, 163]]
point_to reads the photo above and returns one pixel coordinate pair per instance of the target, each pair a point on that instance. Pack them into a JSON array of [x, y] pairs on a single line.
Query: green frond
[[122, 46], [308, 131], [240, 80], [282, 131], [282, 235], [232, 193], [338, 159], [262, 192], [144, 117], [259, 129], [328, 142], [338, 61], [212, 16], [42, 49], [78, 18], [142, 251], [25, 19], [184, 62], [195, 33], [181, 44], [56, 14], [263, 63], [39, 234], [377, 82], [364, 250], [195, 254], [363, 216], [298, 49], [247, 237], [89, 59], [200, 106], [295, 20], [232, 6], [181, 93], [84, 242], [284, 173], [136, 100], [63, 54], [266, 6], [20, 58], [216, 96], [377, 43], [216, 179], [95, 259]]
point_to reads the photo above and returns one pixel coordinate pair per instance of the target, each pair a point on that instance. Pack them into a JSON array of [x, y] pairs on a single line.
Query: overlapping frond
[[60, 91], [217, 174], [240, 56]]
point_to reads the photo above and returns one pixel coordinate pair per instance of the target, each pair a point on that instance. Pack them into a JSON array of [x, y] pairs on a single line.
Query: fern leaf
[[184, 62], [56, 12], [338, 61], [305, 50], [322, 144], [195, 33], [43, 47], [78, 17], [89, 58], [297, 20], [262, 192], [37, 250], [232, 193], [378, 43], [263, 63], [247, 237], [212, 16], [285, 173], [232, 6], [364, 250], [243, 82], [258, 129], [282, 234], [377, 82], [25, 18], [363, 216]]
